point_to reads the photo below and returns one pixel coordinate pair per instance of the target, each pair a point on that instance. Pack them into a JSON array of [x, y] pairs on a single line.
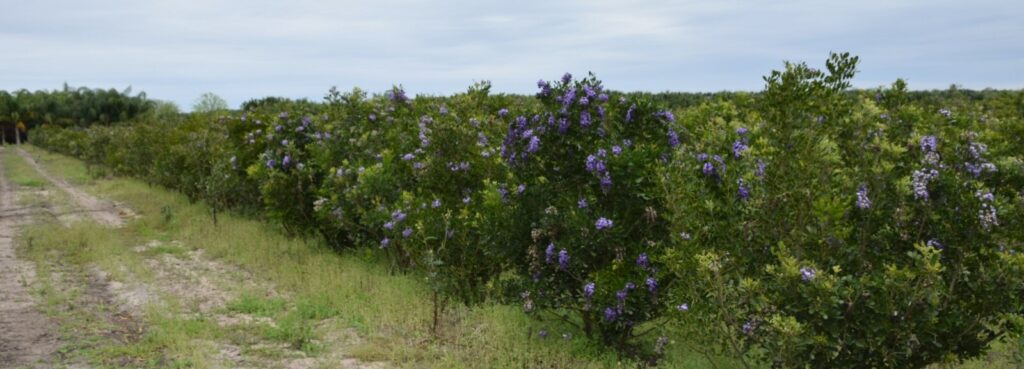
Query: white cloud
[[244, 49]]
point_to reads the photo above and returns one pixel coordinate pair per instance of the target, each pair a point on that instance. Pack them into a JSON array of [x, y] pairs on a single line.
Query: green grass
[[392, 313]]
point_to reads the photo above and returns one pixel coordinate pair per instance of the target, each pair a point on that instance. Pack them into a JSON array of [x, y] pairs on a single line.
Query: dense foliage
[[809, 225], [72, 106]]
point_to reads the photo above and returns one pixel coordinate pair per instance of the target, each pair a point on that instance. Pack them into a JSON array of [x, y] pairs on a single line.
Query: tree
[[209, 102]]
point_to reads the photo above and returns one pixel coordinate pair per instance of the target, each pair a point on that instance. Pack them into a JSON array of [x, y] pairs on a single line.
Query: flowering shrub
[[805, 226], [586, 190], [826, 242]]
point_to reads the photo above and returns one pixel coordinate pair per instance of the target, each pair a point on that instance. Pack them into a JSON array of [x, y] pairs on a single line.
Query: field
[[807, 225]]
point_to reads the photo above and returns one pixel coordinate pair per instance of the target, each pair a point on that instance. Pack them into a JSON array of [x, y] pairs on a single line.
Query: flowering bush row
[[803, 226]]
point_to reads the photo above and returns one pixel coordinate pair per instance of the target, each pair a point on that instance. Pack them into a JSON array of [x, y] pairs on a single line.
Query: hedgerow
[[805, 226]]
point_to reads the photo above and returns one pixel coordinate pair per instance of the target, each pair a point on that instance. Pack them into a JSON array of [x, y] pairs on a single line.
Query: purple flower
[[616, 150], [407, 232], [666, 115], [566, 78], [584, 119], [534, 145], [807, 273], [933, 243], [563, 125], [287, 160], [384, 243], [928, 143], [946, 113], [621, 296], [683, 307], [465, 200], [436, 204], [284, 142], [588, 290], [742, 190], [389, 225], [761, 166], [603, 223], [549, 253], [610, 314], [630, 286], [398, 216], [919, 182], [702, 157], [673, 138], [443, 110], [741, 131], [397, 95], [643, 261], [545, 88], [708, 169], [582, 203], [408, 157], [520, 189], [630, 112], [606, 182], [595, 165], [584, 101], [503, 112], [863, 202], [372, 117], [563, 260], [749, 327], [652, 284], [271, 163], [738, 148]]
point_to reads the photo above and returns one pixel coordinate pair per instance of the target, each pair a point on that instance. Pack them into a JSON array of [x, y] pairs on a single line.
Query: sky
[[177, 50]]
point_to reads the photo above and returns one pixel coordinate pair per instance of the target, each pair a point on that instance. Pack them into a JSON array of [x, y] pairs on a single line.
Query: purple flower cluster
[[738, 148], [545, 88], [630, 112], [863, 202], [929, 143], [987, 214], [643, 261], [741, 190], [549, 253], [673, 138], [977, 163], [588, 290], [460, 166], [563, 260], [919, 182], [761, 166], [603, 223], [807, 274], [397, 95], [946, 113]]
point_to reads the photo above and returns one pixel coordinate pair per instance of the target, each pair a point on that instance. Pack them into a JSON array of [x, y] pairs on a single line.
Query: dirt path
[[103, 212], [27, 337]]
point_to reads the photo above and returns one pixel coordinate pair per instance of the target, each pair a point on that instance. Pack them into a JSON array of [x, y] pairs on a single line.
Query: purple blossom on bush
[[582, 203], [919, 182], [742, 131], [621, 296], [271, 163], [502, 112], [372, 117], [749, 327], [389, 225], [595, 165], [666, 115], [436, 204], [563, 260], [935, 244], [286, 161], [643, 261], [616, 150], [584, 119], [588, 290], [807, 273], [630, 286], [534, 145], [566, 78], [384, 243], [683, 307], [398, 216], [946, 113], [408, 157], [549, 254], [603, 223], [742, 190], [630, 112], [443, 110], [928, 143], [520, 189], [610, 314], [407, 232], [606, 182], [545, 88], [652, 284], [673, 138], [708, 169], [397, 95], [738, 148], [584, 101], [761, 166], [863, 202]]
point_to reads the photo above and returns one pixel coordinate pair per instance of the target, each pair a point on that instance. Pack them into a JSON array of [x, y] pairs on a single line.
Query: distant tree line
[[72, 106]]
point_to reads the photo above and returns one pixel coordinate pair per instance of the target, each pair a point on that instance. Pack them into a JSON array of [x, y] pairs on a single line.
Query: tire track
[[102, 212], [27, 337]]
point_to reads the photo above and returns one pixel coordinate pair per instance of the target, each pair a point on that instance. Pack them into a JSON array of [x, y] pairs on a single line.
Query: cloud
[[241, 50]]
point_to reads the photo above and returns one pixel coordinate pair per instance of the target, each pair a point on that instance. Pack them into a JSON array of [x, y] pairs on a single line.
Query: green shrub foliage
[[809, 225]]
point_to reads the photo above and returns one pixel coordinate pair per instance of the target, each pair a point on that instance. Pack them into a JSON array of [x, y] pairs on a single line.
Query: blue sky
[[177, 50]]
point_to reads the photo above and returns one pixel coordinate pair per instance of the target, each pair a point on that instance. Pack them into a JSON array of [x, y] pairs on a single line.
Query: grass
[[349, 290]]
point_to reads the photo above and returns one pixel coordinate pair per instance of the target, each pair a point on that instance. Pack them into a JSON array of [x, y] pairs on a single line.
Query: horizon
[[177, 51]]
